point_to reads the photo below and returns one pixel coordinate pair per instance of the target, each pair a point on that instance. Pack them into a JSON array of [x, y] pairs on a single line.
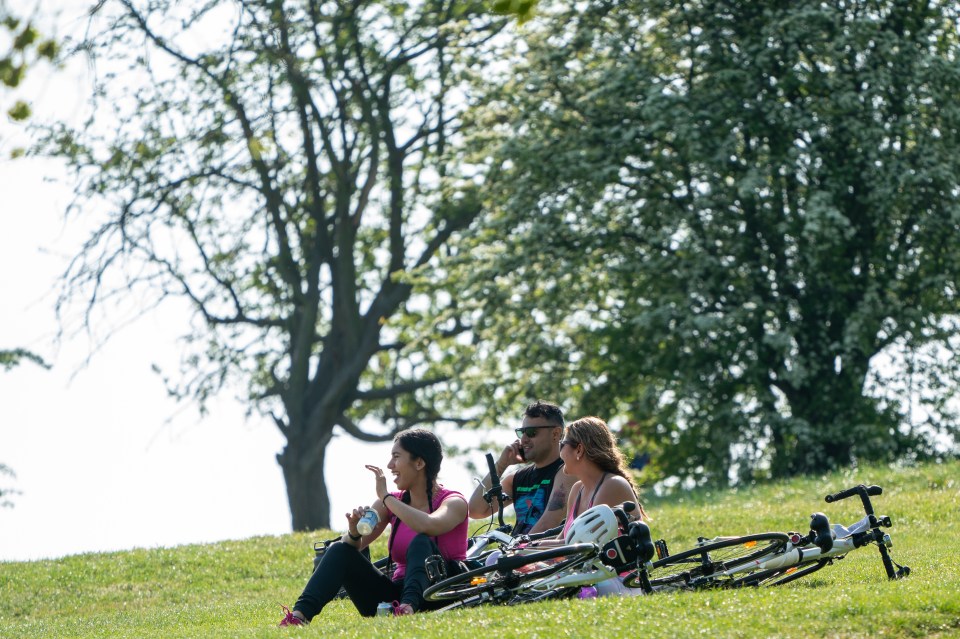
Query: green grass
[[233, 589]]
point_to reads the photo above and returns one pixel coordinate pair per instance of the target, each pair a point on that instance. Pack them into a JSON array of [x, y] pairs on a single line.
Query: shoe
[[290, 619], [400, 609]]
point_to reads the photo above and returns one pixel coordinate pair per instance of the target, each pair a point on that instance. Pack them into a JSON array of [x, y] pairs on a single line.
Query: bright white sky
[[104, 459]]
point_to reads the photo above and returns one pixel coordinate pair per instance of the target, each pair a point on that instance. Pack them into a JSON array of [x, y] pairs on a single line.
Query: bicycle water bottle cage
[[597, 525], [820, 534]]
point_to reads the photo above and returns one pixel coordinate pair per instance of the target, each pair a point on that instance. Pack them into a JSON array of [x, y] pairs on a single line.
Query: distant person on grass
[[426, 519], [538, 490]]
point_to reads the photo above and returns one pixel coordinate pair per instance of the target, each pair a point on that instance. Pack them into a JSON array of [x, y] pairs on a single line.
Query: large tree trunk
[[303, 471]]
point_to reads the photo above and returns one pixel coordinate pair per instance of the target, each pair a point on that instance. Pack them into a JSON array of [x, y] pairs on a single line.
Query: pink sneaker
[[290, 619], [400, 609]]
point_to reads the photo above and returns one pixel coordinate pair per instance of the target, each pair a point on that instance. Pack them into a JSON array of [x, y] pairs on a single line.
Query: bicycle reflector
[[476, 581]]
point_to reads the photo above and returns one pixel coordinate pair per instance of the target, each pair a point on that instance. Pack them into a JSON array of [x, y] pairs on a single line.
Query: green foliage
[[522, 9], [11, 358], [21, 45], [234, 588], [709, 220], [8, 360], [6, 493], [19, 111]]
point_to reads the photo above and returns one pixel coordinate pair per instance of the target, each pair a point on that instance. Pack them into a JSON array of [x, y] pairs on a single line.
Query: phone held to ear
[[522, 453]]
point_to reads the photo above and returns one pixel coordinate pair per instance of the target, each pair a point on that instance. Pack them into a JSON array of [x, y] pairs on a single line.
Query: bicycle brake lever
[[621, 513]]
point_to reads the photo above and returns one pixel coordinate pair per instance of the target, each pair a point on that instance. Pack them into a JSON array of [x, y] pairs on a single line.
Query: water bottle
[[587, 592], [368, 522]]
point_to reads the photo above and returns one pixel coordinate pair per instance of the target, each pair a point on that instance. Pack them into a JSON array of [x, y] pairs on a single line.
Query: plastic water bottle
[[587, 592], [368, 522]]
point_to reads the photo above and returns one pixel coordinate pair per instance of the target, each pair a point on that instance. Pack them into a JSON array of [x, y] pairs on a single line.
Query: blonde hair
[[601, 448]]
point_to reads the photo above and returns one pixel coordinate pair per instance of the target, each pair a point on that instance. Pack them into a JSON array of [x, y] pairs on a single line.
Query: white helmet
[[598, 525]]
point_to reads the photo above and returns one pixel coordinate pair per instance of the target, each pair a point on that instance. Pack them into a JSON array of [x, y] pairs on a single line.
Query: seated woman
[[590, 454], [426, 519]]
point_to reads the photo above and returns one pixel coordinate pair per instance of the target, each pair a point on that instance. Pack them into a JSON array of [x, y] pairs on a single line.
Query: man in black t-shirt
[[539, 490]]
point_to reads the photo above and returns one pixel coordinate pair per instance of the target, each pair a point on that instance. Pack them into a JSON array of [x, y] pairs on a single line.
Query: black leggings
[[344, 565]]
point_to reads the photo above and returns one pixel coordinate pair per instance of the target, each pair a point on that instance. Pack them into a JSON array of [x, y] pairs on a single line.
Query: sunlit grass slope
[[233, 589]]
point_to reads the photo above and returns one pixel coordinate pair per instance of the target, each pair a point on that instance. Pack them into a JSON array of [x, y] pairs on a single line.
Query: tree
[[714, 217], [288, 168]]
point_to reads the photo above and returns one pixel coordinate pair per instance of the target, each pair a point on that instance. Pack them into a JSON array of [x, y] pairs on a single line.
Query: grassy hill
[[233, 589]]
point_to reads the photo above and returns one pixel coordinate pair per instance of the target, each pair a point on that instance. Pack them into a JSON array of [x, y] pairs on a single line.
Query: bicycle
[[525, 573], [771, 558]]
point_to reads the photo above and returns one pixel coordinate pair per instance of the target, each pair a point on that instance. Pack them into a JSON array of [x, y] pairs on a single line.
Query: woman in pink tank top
[[426, 519]]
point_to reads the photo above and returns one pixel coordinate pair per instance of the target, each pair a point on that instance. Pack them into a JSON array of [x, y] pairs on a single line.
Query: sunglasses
[[529, 431], [568, 442]]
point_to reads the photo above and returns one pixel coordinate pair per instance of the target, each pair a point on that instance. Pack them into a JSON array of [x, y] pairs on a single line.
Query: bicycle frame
[[589, 573], [845, 539], [797, 552]]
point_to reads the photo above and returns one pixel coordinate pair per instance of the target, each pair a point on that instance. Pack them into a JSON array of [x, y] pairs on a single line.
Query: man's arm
[[556, 508], [478, 507]]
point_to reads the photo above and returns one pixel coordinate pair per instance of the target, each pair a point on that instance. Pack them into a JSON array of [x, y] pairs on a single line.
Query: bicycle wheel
[[704, 566], [496, 582], [781, 576]]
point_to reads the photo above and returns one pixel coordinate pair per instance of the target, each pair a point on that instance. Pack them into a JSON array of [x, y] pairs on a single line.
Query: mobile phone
[[523, 454]]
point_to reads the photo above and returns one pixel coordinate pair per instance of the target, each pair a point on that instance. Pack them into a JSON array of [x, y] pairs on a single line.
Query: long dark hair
[[600, 447]]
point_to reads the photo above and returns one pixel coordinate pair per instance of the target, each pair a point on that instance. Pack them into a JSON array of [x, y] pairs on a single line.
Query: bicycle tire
[[702, 566], [499, 580], [509, 598], [781, 576]]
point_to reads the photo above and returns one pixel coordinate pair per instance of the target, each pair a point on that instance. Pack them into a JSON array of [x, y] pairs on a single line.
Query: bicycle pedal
[[436, 568], [661, 547]]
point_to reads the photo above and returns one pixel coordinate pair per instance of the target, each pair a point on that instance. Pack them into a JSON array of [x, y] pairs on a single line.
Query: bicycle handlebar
[[496, 490], [856, 490], [865, 492]]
